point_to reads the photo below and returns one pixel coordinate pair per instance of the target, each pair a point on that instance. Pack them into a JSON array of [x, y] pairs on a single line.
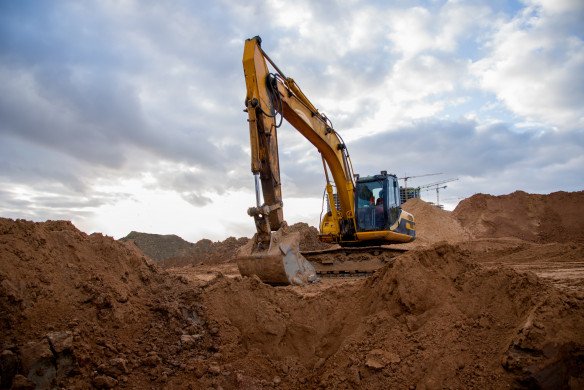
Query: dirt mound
[[433, 224], [475, 324], [433, 319], [557, 217], [83, 310], [308, 237], [159, 246]]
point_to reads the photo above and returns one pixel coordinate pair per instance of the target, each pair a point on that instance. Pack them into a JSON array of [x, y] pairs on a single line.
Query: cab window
[[371, 205]]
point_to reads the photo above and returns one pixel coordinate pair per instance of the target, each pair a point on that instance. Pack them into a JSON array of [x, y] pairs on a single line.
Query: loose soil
[[490, 296]]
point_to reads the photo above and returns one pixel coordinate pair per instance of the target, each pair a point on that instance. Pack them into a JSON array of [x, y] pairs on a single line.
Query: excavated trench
[[431, 317]]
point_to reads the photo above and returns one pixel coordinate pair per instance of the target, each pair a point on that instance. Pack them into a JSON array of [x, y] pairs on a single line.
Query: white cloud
[[558, 6], [409, 30], [536, 64], [418, 29]]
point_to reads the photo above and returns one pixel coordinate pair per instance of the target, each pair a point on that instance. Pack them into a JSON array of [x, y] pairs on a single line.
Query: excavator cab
[[379, 219], [377, 202]]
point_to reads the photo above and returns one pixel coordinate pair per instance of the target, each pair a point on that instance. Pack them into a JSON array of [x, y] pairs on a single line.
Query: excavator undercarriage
[[351, 261], [282, 263]]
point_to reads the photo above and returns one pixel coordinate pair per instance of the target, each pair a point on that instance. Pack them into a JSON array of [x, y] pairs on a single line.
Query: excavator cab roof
[[382, 176]]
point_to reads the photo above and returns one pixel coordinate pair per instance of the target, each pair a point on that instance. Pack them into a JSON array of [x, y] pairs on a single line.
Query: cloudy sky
[[127, 115]]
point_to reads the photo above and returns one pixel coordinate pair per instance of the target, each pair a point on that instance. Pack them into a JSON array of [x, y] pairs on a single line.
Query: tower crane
[[437, 186], [405, 179], [437, 194]]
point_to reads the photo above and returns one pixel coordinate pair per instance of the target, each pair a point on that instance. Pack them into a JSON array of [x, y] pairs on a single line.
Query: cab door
[[392, 200]]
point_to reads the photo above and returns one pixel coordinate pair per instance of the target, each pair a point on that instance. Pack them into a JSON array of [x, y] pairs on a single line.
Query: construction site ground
[[489, 296]]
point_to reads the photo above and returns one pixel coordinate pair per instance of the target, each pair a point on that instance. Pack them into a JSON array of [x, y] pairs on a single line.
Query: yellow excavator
[[363, 213]]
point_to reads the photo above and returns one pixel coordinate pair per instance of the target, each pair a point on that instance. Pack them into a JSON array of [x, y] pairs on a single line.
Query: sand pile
[[433, 224], [83, 310], [460, 325], [308, 237], [432, 320], [557, 217]]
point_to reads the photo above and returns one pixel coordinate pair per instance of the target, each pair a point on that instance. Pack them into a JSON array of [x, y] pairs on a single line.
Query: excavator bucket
[[279, 264]]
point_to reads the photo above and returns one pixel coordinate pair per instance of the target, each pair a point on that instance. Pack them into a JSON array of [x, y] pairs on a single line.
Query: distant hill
[[172, 251], [159, 246]]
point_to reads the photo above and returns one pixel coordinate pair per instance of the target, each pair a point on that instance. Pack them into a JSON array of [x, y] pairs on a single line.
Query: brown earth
[[431, 320], [206, 252], [474, 304], [83, 311], [556, 217]]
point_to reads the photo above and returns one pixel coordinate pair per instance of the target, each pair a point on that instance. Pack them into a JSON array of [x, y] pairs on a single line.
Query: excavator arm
[[271, 94], [263, 136], [273, 253]]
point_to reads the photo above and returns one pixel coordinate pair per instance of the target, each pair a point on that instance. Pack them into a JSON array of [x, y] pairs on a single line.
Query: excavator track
[[351, 261]]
